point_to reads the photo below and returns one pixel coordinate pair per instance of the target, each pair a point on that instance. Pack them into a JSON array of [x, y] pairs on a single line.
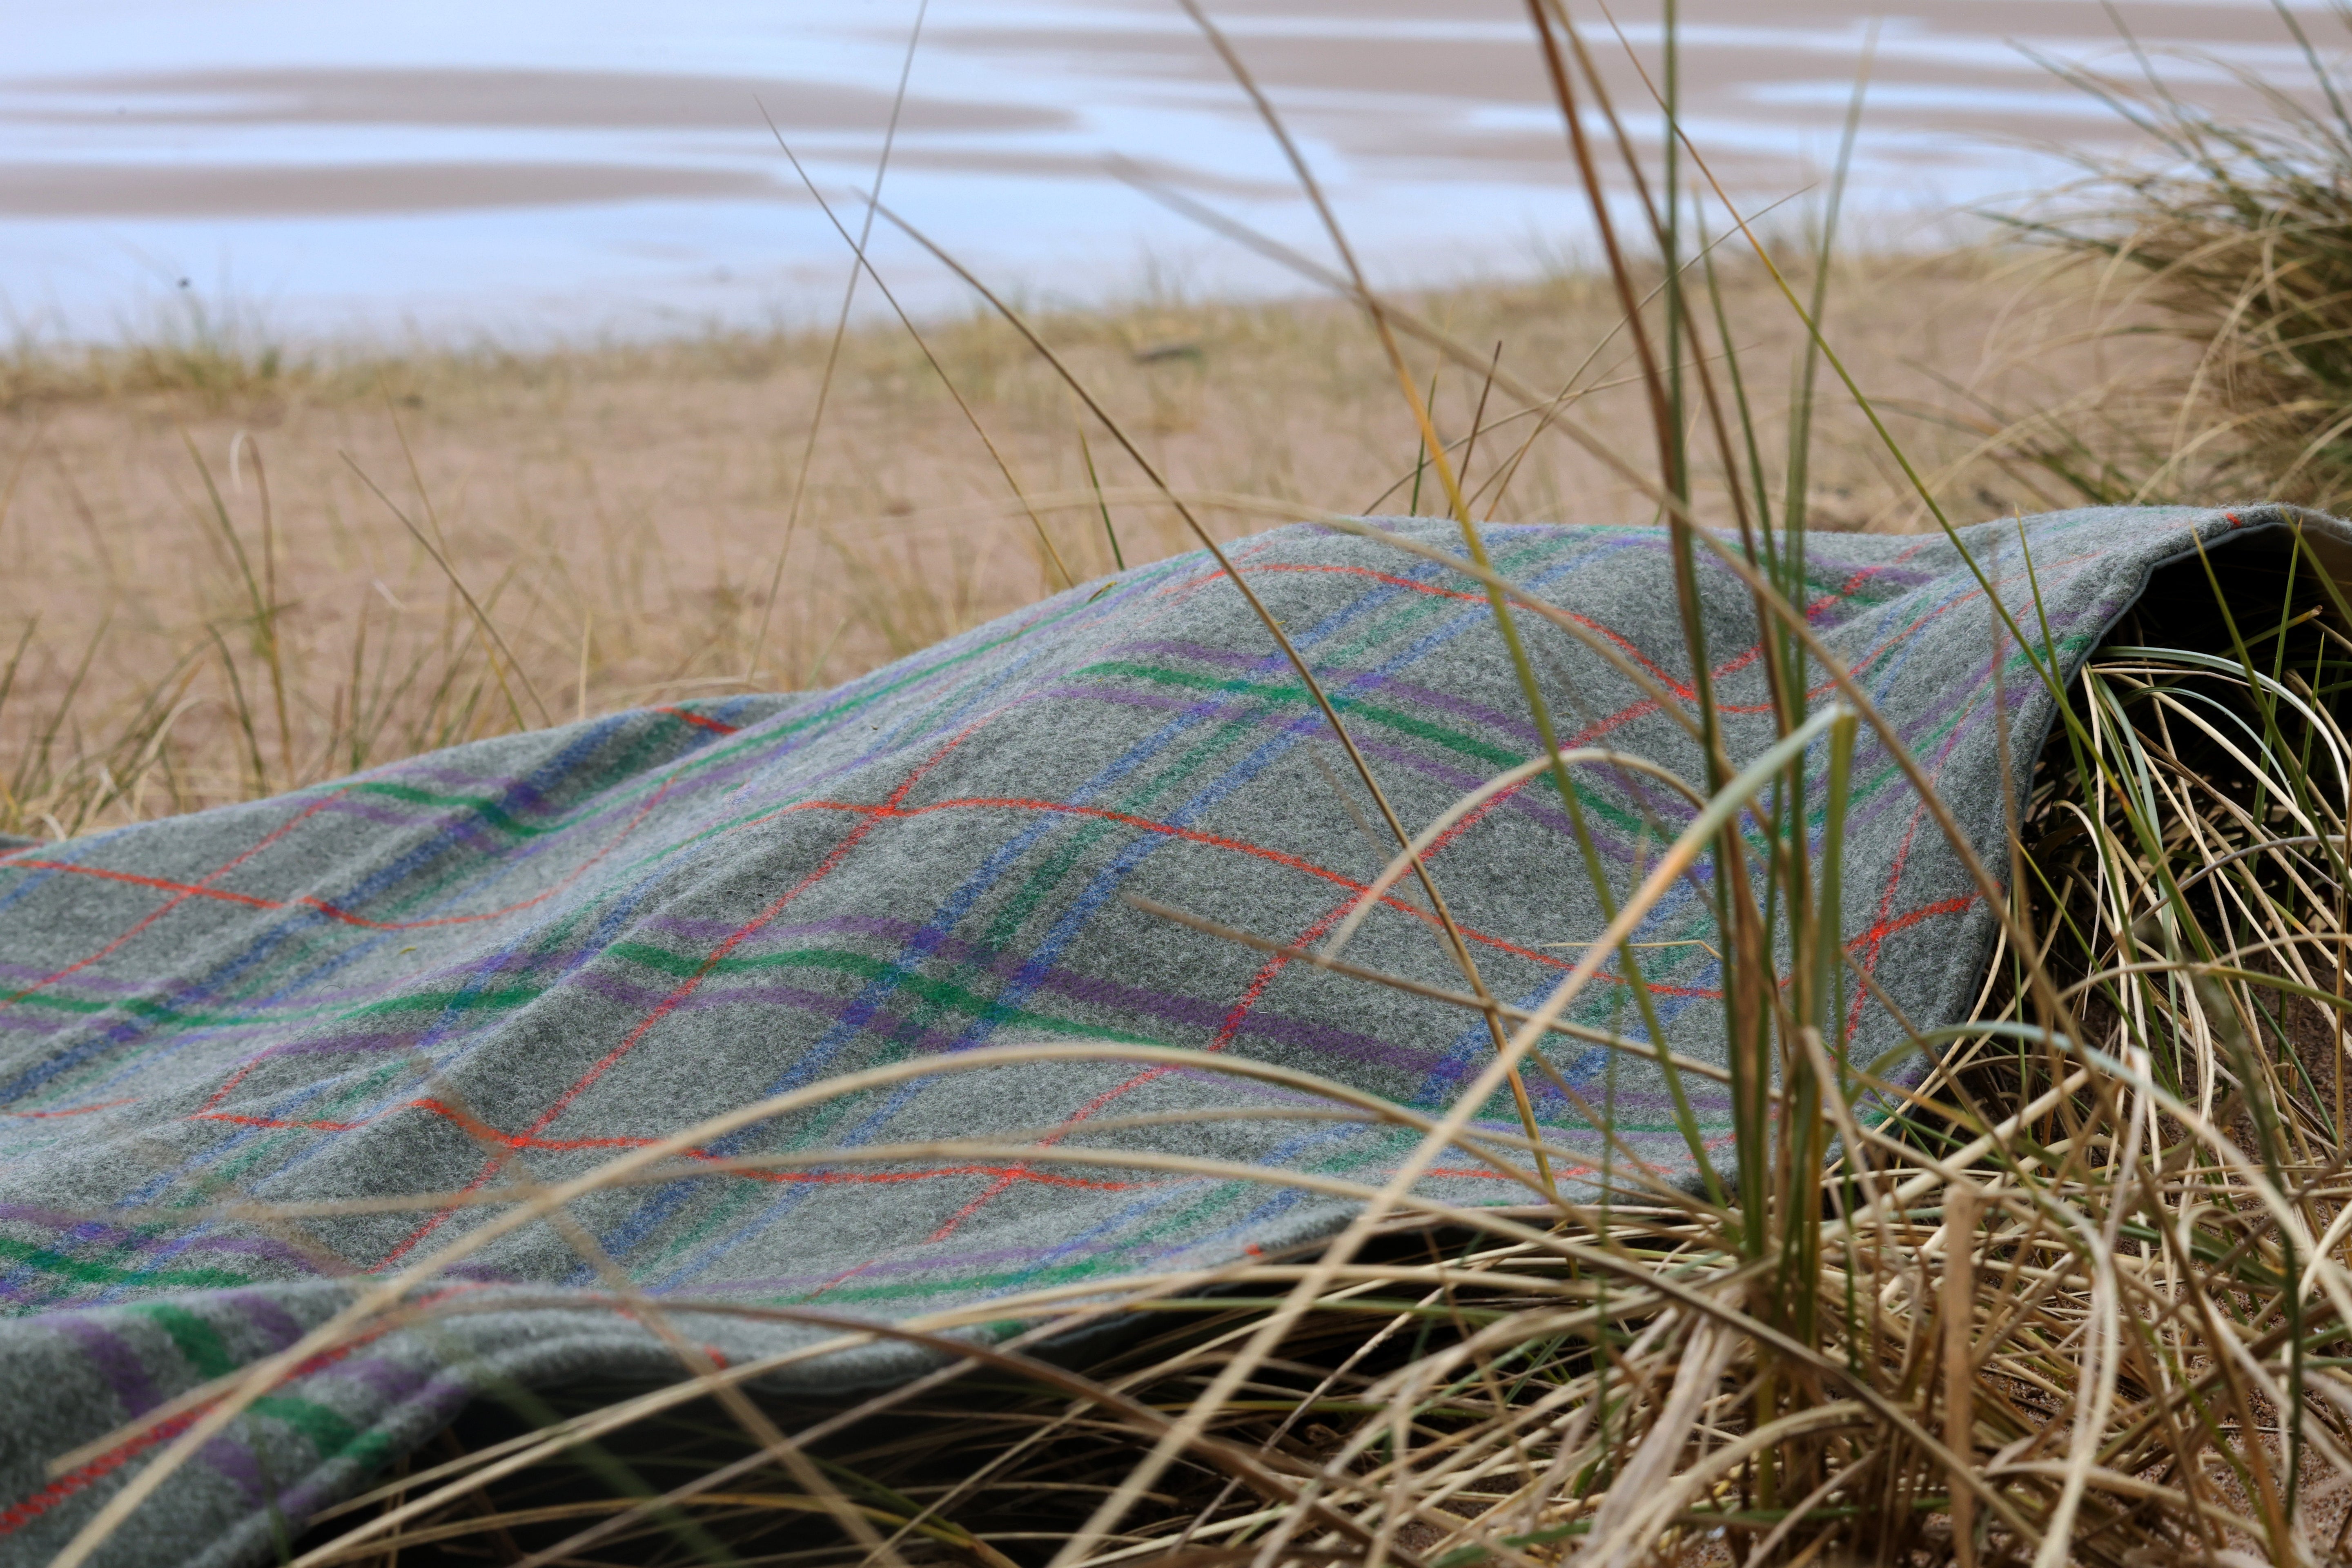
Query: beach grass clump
[[2229, 230], [216, 354]]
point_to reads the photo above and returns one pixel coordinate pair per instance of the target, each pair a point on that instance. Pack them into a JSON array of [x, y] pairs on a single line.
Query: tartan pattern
[[543, 950]]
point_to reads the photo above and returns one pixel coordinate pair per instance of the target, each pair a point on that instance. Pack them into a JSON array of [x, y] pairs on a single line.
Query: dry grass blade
[[474, 606], [840, 331]]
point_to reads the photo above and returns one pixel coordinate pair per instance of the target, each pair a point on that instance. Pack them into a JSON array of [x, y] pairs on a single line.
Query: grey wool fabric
[[536, 955]]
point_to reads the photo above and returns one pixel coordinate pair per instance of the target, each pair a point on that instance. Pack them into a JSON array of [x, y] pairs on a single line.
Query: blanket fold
[[518, 961]]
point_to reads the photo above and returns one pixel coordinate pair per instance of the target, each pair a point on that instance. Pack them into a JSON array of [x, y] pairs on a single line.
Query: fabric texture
[[523, 957]]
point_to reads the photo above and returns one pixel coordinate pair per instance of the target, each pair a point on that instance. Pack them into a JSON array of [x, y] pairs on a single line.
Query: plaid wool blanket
[[493, 971]]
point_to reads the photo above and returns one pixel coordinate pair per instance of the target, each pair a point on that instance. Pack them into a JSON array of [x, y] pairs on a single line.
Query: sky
[[522, 171]]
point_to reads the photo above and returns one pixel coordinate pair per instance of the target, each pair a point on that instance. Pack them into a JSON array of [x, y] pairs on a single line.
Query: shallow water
[[529, 168]]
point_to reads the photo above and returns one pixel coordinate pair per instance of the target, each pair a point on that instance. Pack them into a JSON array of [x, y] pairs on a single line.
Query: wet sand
[[417, 158]]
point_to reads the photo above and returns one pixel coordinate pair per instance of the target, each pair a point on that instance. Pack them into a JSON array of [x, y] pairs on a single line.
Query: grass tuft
[[2232, 234]]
